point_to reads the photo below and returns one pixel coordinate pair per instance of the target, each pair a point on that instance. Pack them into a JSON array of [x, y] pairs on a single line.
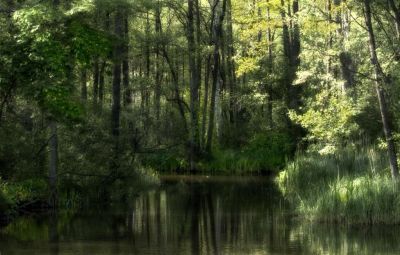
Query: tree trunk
[[206, 96], [199, 57], [396, 11], [53, 156], [157, 88], [84, 85], [145, 91], [178, 99], [53, 164], [217, 33], [287, 53], [230, 68], [116, 90], [96, 76], [107, 27], [270, 72], [101, 84], [348, 70], [295, 57], [194, 87], [125, 65], [380, 80]]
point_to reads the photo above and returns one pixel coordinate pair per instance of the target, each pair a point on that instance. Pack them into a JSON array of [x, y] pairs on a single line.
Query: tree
[[218, 15], [380, 80]]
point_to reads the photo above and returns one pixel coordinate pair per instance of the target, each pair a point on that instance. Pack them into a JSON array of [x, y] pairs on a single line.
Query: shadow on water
[[212, 216]]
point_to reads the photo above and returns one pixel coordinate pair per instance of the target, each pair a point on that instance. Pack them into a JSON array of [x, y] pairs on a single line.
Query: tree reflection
[[195, 218], [53, 232]]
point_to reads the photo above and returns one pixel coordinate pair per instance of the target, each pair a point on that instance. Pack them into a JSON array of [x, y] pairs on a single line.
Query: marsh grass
[[351, 186]]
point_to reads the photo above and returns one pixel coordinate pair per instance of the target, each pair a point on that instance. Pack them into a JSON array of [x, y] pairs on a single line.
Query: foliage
[[13, 194], [264, 153]]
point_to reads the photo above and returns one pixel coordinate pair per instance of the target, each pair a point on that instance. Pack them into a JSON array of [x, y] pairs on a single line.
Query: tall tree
[[194, 85], [218, 15], [380, 80], [116, 84], [125, 62], [53, 157]]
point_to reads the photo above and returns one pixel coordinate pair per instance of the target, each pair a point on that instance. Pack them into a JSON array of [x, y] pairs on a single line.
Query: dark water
[[201, 216]]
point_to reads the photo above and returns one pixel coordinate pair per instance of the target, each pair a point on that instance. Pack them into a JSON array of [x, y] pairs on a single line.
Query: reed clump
[[351, 186]]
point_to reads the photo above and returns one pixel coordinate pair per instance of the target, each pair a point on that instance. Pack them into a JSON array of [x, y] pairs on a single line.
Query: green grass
[[352, 186]]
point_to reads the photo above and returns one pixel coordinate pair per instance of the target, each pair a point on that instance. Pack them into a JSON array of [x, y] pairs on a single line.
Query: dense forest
[[99, 97]]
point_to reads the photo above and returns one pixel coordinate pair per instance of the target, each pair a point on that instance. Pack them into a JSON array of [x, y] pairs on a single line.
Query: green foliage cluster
[[264, 153], [170, 161], [13, 194], [351, 186]]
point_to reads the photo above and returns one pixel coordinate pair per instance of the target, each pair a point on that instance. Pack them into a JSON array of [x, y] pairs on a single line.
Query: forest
[[101, 99]]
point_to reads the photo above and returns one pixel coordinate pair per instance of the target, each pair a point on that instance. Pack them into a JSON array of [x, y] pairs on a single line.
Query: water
[[213, 216]]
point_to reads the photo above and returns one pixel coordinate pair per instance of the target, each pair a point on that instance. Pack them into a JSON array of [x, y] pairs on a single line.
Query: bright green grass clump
[[351, 186]]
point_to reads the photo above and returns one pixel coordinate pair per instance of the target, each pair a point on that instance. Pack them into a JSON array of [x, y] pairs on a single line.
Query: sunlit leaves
[[247, 65], [51, 41], [87, 42], [81, 6], [329, 121], [56, 99]]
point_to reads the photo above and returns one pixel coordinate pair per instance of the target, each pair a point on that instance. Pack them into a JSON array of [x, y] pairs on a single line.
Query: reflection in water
[[215, 218], [53, 232]]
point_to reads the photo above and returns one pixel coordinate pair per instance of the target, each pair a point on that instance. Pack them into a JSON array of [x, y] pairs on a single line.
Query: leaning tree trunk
[[380, 80]]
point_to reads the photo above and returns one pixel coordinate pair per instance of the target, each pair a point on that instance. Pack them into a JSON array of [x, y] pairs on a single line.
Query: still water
[[197, 216]]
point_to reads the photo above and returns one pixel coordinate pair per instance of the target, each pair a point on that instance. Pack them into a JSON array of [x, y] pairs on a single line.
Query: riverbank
[[350, 186]]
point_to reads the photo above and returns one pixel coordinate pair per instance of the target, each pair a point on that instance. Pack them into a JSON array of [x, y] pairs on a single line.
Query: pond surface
[[213, 216]]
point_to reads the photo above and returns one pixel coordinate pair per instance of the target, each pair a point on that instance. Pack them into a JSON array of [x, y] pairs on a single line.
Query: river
[[193, 215]]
